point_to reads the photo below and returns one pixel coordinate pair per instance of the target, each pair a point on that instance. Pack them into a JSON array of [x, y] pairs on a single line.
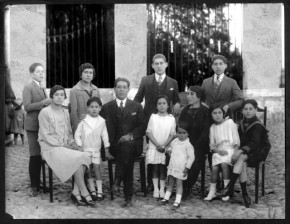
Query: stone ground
[[271, 206]]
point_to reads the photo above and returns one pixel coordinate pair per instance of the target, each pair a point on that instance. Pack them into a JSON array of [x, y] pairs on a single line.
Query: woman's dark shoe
[[100, 197], [78, 202], [94, 195], [225, 192], [248, 201], [175, 206], [33, 191], [89, 202], [127, 203], [164, 202]]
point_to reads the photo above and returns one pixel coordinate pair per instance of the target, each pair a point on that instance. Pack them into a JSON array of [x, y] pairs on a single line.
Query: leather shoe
[[127, 203], [248, 201], [150, 187], [224, 192]]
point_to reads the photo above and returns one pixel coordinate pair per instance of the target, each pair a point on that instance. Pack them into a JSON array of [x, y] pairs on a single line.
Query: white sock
[[155, 183], [91, 184], [76, 189], [212, 188], [226, 182], [167, 195], [162, 185], [99, 186], [178, 198]]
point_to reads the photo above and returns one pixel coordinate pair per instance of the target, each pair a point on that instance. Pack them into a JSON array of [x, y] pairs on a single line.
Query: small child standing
[[89, 134], [224, 139], [17, 124], [160, 131], [181, 159]]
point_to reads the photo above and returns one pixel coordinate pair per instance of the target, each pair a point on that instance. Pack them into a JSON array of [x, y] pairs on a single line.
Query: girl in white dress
[[89, 134], [181, 159], [160, 131], [224, 139]]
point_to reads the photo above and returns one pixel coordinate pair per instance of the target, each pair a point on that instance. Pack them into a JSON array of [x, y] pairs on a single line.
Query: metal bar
[[168, 41], [91, 54], [149, 39], [79, 47], [60, 49], [181, 61], [72, 58], [195, 45], [108, 49], [202, 42], [103, 56], [66, 54], [154, 29], [229, 30], [54, 51], [209, 54], [48, 78], [189, 31], [84, 48], [174, 30], [97, 52], [161, 36]]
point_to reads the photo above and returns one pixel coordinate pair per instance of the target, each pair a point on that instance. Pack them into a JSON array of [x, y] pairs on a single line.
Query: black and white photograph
[[143, 110]]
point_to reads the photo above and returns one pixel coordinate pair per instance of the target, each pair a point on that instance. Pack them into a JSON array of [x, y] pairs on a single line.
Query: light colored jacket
[[91, 137], [78, 102]]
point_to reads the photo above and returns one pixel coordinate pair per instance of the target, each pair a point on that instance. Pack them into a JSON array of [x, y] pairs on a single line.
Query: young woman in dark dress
[[254, 148]]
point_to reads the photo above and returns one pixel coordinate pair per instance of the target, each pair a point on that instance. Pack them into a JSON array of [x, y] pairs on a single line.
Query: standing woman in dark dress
[[34, 100], [254, 148]]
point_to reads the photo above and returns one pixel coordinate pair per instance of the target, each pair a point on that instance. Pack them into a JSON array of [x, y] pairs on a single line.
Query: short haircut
[[94, 99], [250, 101], [197, 90], [212, 108], [120, 79], [158, 56], [218, 56], [33, 66], [167, 100], [184, 125], [85, 66], [56, 88]]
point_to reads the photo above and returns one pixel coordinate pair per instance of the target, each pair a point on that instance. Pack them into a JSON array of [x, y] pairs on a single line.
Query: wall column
[[262, 56], [131, 43]]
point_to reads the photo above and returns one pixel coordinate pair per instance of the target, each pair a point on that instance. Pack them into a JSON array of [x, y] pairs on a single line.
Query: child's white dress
[[182, 156], [223, 136], [160, 127], [89, 134]]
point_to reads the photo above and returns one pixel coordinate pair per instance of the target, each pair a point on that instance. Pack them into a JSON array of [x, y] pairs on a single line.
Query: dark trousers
[[35, 158], [125, 154], [193, 173]]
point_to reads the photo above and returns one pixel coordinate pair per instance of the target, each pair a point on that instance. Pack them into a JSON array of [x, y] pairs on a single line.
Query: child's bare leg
[[179, 191], [213, 180], [15, 138], [226, 176], [162, 169], [170, 186], [91, 182], [22, 139], [97, 169], [155, 179]]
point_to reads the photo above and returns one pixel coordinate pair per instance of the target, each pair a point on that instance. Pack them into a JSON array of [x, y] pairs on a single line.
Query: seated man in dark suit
[[126, 127]]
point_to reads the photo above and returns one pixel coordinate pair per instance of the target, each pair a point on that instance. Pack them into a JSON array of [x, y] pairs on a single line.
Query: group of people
[[179, 138]]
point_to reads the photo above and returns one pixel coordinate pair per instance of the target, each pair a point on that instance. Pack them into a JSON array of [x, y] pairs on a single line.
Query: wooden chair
[[141, 161]]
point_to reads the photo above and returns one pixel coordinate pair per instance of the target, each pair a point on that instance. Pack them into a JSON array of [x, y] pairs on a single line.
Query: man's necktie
[[159, 80], [121, 106], [218, 82]]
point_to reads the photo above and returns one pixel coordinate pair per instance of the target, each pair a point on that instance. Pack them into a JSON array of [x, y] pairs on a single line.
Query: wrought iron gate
[[77, 34]]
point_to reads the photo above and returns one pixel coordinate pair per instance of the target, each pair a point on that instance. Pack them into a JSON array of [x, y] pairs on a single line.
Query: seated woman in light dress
[[58, 149]]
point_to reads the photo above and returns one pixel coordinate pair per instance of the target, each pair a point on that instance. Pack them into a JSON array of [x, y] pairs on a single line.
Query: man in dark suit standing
[[220, 89], [126, 127], [153, 85]]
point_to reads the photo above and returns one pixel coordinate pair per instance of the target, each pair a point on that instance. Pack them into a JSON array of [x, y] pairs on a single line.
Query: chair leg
[[110, 167], [143, 176], [257, 184], [50, 185], [43, 175], [263, 179], [202, 179]]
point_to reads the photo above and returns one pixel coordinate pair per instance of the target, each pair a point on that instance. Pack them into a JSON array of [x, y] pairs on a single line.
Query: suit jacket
[[229, 93], [145, 90], [133, 119], [32, 100]]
